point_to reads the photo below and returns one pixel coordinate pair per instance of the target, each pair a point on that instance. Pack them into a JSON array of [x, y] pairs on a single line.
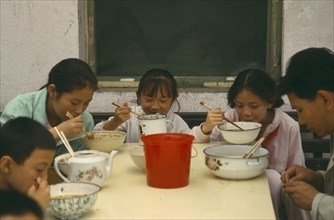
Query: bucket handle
[[196, 152]]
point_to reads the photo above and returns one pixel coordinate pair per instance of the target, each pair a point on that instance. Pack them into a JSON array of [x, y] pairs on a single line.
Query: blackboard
[[210, 38]]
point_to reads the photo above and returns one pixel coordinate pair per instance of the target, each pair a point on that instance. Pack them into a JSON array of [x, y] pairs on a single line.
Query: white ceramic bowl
[[226, 161], [138, 156], [105, 141], [71, 200], [234, 135]]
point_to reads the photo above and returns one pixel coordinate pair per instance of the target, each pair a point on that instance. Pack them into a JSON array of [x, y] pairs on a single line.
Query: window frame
[[273, 46]]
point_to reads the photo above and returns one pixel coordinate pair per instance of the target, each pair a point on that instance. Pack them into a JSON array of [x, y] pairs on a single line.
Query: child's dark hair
[[18, 204], [156, 80], [307, 72], [71, 74], [19, 137], [257, 82]]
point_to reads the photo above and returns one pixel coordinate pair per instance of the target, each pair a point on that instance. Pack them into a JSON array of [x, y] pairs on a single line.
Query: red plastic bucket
[[168, 158]]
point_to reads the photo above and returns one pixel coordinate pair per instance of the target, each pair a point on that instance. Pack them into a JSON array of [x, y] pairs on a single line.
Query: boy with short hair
[[16, 205], [27, 149]]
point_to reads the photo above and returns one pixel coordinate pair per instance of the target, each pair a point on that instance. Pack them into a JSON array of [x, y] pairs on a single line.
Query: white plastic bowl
[[226, 161], [138, 156], [105, 141], [71, 200], [234, 135]]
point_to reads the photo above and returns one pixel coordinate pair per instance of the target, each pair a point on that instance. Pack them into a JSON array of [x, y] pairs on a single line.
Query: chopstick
[[65, 141], [252, 150], [118, 105], [226, 119], [89, 135]]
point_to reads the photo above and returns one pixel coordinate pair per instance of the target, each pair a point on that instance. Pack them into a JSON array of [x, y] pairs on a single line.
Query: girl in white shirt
[[254, 97], [156, 94]]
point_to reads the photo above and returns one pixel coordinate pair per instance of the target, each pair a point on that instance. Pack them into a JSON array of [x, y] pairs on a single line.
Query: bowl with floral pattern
[[71, 200], [226, 161]]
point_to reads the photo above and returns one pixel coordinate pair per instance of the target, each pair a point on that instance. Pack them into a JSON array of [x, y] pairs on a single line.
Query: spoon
[[203, 104], [88, 134]]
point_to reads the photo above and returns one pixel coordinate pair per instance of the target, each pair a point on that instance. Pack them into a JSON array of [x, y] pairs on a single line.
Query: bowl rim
[[136, 151], [231, 157], [238, 130], [148, 116], [96, 190], [105, 131]]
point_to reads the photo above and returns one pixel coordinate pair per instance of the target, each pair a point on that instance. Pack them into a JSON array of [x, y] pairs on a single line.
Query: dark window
[[201, 40]]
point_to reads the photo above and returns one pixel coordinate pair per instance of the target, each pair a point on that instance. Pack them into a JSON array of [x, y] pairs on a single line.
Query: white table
[[126, 195]]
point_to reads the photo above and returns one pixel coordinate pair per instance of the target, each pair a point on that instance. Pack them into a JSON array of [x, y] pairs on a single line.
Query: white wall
[[307, 23], [35, 35]]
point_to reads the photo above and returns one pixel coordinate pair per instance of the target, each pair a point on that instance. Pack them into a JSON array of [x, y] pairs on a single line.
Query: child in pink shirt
[[254, 97]]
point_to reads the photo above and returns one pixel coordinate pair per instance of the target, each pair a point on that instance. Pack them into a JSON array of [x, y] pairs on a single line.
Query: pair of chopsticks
[[252, 150], [118, 105], [65, 141], [226, 119], [89, 135]]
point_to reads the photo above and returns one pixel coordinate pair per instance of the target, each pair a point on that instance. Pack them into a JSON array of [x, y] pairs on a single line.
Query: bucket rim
[[161, 136]]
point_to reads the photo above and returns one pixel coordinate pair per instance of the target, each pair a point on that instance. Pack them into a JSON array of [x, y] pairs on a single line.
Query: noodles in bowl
[[105, 141], [71, 200]]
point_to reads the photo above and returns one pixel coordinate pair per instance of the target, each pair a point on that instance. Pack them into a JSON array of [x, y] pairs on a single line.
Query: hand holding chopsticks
[[65, 141], [252, 150], [202, 103], [118, 105], [89, 135]]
